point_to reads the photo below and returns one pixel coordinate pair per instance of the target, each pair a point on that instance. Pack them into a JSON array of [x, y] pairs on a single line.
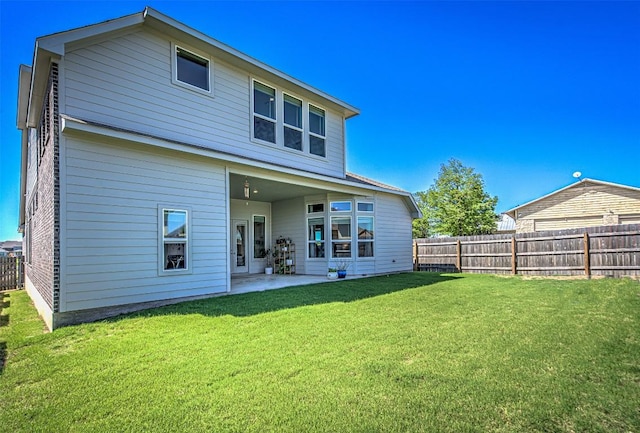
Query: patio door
[[239, 242]]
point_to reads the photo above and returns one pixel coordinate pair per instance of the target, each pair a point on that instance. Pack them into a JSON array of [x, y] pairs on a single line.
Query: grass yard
[[405, 353]]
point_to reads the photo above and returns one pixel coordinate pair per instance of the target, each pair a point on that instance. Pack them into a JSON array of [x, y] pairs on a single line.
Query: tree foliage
[[456, 204]]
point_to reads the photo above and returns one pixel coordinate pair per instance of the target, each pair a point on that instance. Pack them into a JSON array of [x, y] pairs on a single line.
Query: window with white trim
[[316, 237], [285, 120], [264, 112], [340, 206], [175, 240], [292, 122], [259, 236], [341, 236], [365, 236], [191, 70], [317, 131]]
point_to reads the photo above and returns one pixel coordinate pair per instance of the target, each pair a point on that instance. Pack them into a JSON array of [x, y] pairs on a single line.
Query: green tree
[[456, 204]]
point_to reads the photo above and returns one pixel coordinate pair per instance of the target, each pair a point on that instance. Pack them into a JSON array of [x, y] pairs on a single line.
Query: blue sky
[[526, 93]]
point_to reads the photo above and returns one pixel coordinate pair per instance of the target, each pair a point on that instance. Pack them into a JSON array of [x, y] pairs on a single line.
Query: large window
[[259, 236], [341, 236], [316, 131], [287, 121], [316, 237], [365, 236], [264, 112], [191, 69], [292, 122], [175, 239]]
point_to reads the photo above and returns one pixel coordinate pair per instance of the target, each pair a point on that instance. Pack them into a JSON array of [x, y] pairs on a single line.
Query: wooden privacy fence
[[11, 273], [606, 250]]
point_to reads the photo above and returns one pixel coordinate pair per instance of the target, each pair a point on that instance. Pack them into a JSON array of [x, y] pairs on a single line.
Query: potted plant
[[341, 267], [332, 274], [268, 269]]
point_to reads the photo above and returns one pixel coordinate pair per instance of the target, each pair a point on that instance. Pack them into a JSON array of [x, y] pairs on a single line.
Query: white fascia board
[[24, 86], [73, 126], [55, 43]]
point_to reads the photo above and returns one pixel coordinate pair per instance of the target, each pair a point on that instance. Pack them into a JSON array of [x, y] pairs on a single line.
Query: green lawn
[[404, 353]]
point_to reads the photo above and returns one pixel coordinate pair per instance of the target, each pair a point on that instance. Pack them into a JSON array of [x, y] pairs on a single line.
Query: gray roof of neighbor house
[[506, 223], [512, 212]]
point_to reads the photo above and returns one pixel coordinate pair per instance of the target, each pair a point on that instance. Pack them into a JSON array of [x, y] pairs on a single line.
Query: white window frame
[[311, 215], [174, 69], [276, 121], [280, 124], [314, 134], [295, 128], [371, 241], [348, 216], [265, 247], [186, 242], [365, 214]]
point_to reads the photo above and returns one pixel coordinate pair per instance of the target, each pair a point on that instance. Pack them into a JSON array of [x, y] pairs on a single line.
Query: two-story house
[[158, 162]]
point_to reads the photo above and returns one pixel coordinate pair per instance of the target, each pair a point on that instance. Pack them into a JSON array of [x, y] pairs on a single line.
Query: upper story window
[[264, 112], [316, 131], [292, 122], [191, 70], [287, 121]]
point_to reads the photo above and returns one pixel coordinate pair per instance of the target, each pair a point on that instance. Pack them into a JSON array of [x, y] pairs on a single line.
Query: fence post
[[587, 261], [459, 255], [415, 255], [514, 256]]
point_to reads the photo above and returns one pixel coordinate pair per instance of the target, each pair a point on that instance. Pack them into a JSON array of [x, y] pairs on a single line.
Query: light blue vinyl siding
[[110, 223], [125, 82]]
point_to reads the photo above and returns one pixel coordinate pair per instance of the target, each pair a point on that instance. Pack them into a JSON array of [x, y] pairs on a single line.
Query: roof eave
[[170, 26]]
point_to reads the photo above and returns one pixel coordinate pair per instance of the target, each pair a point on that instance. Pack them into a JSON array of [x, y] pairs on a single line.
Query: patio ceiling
[[267, 190]]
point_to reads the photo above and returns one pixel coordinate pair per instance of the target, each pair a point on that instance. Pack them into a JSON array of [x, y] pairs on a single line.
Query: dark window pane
[[264, 130], [316, 146], [292, 138], [365, 207], [316, 229], [264, 100], [316, 207], [365, 227], [174, 256], [292, 111], [316, 250], [365, 249], [192, 69], [316, 120], [341, 249]]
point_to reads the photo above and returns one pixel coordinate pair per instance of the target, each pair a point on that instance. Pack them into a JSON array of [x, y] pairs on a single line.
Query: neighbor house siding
[[393, 235], [584, 205], [126, 82], [113, 192]]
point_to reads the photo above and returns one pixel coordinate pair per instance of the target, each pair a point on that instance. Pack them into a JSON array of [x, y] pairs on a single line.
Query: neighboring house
[[157, 162], [10, 248], [585, 203], [505, 225]]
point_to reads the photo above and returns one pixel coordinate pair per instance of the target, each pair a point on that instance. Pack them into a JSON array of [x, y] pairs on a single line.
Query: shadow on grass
[[4, 321], [249, 304]]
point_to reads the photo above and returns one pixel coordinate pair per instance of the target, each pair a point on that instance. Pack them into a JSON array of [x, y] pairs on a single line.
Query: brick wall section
[[44, 204]]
